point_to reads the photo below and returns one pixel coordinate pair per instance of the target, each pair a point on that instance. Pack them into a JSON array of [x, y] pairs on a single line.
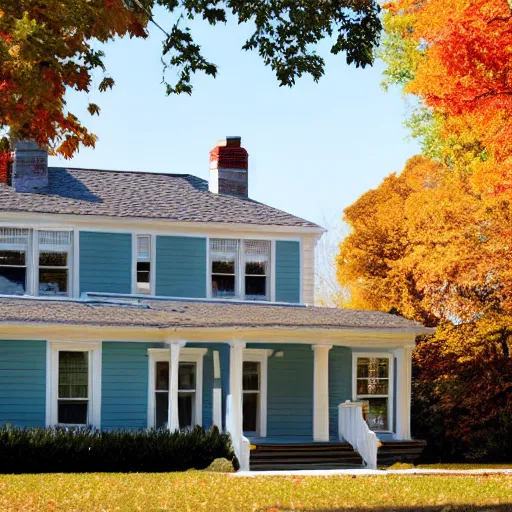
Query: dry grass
[[207, 491]]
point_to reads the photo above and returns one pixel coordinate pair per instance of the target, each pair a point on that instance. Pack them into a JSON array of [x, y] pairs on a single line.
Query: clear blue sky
[[313, 149]]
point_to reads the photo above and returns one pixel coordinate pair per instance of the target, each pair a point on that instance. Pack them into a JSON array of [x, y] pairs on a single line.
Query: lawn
[[202, 491]]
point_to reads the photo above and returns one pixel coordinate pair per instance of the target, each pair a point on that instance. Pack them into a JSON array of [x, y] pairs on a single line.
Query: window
[[254, 391], [73, 399], [251, 395], [13, 261], [186, 394], [143, 264], [190, 387], [229, 258], [54, 256], [257, 263], [73, 390], [224, 256], [373, 384]]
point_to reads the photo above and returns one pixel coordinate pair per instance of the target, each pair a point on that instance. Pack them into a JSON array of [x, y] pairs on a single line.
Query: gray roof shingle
[[174, 197], [194, 314]]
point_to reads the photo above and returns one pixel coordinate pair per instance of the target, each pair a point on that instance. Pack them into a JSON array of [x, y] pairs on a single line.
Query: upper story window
[[54, 260], [35, 262], [143, 264], [240, 269], [14, 246]]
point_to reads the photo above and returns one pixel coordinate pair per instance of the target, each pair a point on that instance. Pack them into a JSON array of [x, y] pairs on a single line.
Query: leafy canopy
[[47, 46]]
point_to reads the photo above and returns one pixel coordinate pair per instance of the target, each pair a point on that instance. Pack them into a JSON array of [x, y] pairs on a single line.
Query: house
[[136, 300]]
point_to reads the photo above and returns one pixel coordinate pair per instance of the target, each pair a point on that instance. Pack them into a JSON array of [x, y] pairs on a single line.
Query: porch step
[[296, 456]]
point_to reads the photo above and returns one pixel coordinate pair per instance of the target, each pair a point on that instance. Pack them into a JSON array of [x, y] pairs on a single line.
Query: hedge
[[75, 450]]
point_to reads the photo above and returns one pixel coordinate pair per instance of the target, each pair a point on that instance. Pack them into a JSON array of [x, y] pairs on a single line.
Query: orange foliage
[[45, 47], [465, 73]]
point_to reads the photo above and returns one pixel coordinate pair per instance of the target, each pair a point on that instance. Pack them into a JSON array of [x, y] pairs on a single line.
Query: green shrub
[[75, 450]]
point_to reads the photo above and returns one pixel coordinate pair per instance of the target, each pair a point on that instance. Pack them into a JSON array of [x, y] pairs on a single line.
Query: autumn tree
[[456, 58], [46, 47]]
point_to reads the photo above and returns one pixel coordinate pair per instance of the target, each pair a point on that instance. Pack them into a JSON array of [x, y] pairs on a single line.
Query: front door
[[251, 397]]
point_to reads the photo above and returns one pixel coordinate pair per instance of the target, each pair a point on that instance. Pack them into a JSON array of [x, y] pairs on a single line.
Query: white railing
[[353, 429], [241, 444]]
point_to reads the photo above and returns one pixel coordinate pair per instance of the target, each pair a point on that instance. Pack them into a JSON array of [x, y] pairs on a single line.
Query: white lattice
[[54, 238], [14, 236], [143, 247], [257, 251], [224, 250]]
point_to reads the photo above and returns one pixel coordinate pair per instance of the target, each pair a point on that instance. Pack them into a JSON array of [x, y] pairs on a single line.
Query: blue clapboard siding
[[124, 402], [105, 262], [290, 391], [22, 383], [181, 266], [287, 271], [340, 383]]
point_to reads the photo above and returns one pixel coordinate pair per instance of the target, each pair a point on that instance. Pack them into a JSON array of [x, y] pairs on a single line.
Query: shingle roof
[[175, 197], [194, 314]]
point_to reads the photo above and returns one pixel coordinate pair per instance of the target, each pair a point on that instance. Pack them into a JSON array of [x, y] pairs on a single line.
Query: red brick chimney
[[229, 164]]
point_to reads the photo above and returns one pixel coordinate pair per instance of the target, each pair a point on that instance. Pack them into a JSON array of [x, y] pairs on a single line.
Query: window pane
[[187, 376], [55, 237], [185, 409], [223, 286], [250, 412], [53, 282], [12, 258], [377, 367], [223, 267], [143, 247], [162, 409], [378, 416], [372, 387], [13, 236], [255, 287], [12, 280], [53, 259], [73, 374], [251, 376], [256, 269], [162, 375], [72, 412]]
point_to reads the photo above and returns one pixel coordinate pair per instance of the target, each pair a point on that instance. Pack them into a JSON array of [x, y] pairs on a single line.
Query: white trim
[[52, 379], [390, 395], [321, 392], [258, 355], [76, 264], [403, 393], [108, 224], [187, 355]]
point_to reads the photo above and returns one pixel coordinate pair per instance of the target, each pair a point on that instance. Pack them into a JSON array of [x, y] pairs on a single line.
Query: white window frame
[[240, 268], [258, 355], [187, 355], [37, 248], [152, 262], [27, 249], [94, 382], [389, 396]]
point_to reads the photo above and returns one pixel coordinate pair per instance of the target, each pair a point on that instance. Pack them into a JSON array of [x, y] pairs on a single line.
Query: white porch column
[[173, 422], [321, 393], [236, 359], [217, 391], [403, 392]]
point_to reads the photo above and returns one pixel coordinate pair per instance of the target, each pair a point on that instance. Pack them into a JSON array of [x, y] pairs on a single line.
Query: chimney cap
[[231, 141]]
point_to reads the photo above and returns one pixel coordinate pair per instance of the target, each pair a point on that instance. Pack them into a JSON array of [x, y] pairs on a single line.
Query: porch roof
[[107, 310]]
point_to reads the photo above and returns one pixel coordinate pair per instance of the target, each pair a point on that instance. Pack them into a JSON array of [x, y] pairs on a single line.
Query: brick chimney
[[29, 167], [229, 168]]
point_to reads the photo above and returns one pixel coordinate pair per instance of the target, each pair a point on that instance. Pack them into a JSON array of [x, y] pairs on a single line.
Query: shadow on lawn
[[430, 508]]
